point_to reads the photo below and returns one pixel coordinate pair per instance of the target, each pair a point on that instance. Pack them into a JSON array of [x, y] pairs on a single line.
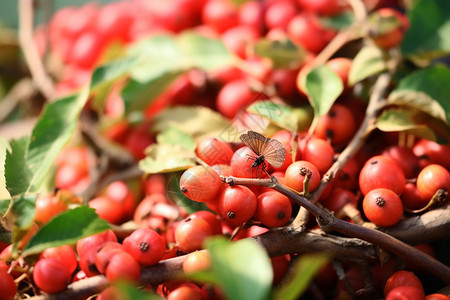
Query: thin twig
[[22, 90], [34, 62]]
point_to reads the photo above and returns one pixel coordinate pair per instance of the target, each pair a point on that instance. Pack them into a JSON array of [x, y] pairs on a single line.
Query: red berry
[[200, 183], [406, 293], [196, 261], [146, 246], [317, 151], [104, 254], [51, 275], [432, 178], [297, 172], [7, 285], [213, 151], [241, 164], [235, 96], [123, 267], [237, 204], [64, 253], [191, 233], [273, 209], [381, 172], [402, 278], [338, 125], [382, 207]]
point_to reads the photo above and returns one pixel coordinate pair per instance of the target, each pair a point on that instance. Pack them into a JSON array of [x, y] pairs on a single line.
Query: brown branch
[[38, 73], [22, 90]]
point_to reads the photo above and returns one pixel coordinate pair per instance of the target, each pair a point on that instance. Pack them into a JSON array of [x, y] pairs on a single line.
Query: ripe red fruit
[[280, 265], [144, 208], [238, 39], [241, 164], [402, 278], [107, 209], [432, 178], [145, 245], [7, 285], [437, 296], [382, 207], [273, 209], [64, 253], [209, 217], [213, 151], [405, 158], [237, 204], [185, 292], [234, 96], [196, 261], [406, 292], [279, 13], [87, 249], [411, 198], [220, 15], [123, 267], [200, 183], [338, 198], [104, 254], [296, 173], [347, 176], [381, 172], [50, 275], [119, 191], [432, 152], [338, 125], [305, 30], [46, 207], [317, 151], [190, 234]]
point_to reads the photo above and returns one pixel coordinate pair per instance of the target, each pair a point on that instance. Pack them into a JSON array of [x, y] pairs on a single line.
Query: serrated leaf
[[280, 114], [429, 33], [17, 173], [338, 22], [427, 90], [369, 61], [162, 58], [66, 229], [403, 120], [162, 158], [242, 268], [323, 87], [304, 271], [174, 136], [4, 148], [197, 121], [282, 53]]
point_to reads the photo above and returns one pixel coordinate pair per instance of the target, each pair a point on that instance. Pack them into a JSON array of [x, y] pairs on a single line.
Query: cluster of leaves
[[418, 105]]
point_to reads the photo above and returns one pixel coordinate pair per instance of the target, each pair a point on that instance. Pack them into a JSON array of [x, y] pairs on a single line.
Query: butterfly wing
[[254, 141], [274, 153]]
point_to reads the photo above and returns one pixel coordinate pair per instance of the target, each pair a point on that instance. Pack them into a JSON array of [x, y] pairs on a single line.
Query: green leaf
[[197, 121], [162, 158], [369, 61], [65, 229], [4, 205], [104, 77], [403, 120], [338, 22], [30, 159], [322, 86], [17, 173], [174, 136], [427, 90], [162, 58], [23, 211], [137, 95], [282, 53], [280, 114], [4, 148], [242, 268], [304, 271], [429, 33]]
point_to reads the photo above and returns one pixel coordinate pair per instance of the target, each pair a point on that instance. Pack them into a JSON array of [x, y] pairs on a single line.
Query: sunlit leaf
[[338, 22], [304, 271], [66, 229], [242, 268], [17, 173], [4, 148], [197, 121], [161, 158], [23, 216], [403, 120], [322, 86], [282, 53], [369, 61], [427, 90], [280, 114], [174, 136]]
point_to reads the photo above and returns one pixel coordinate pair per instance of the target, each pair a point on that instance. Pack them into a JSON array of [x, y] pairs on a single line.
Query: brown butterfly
[[266, 149]]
